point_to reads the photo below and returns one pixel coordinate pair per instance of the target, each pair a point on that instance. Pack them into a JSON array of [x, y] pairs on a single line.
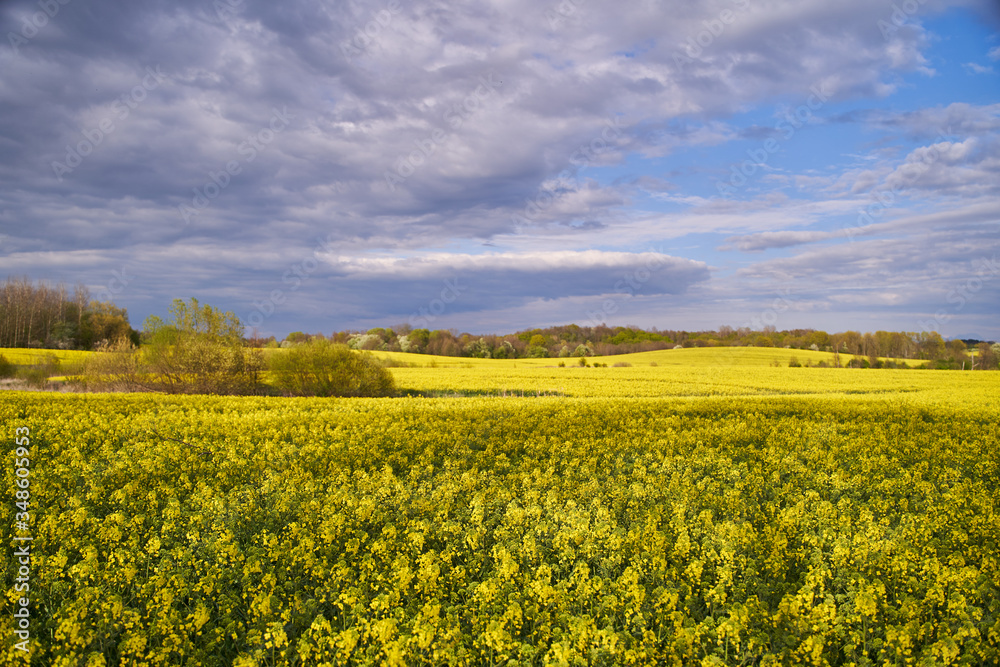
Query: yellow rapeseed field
[[724, 512], [28, 356]]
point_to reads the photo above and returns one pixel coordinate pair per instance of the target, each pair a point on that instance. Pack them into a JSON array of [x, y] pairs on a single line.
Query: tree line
[[57, 317], [572, 340]]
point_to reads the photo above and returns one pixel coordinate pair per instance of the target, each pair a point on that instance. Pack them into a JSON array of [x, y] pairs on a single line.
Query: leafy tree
[[987, 357], [479, 348], [850, 342], [103, 323], [64, 335], [200, 351], [322, 368], [932, 346], [366, 341], [444, 343], [570, 332], [957, 351], [418, 340], [385, 335], [505, 350]]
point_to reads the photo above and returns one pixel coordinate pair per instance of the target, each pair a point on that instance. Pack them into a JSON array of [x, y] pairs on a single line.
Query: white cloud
[[975, 68]]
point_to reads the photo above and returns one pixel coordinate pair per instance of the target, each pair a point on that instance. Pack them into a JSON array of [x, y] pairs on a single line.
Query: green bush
[[321, 368], [37, 374], [390, 362], [199, 351], [7, 369], [114, 366]]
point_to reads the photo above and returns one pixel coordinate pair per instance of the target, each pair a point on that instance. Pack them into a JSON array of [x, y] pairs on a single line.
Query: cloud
[[501, 280], [768, 240], [956, 119], [968, 169], [360, 115], [907, 264], [432, 128], [975, 68]]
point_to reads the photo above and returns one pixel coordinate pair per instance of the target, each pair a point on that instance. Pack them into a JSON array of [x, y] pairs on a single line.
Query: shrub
[[112, 367], [38, 374], [321, 368], [389, 362], [794, 363], [7, 369], [200, 351], [622, 364]]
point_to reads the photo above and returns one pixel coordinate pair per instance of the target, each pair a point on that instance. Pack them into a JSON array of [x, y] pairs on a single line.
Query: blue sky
[[502, 165]]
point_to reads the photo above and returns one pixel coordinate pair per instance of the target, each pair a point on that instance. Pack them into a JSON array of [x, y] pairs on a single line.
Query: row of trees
[[55, 317], [42, 315], [573, 340]]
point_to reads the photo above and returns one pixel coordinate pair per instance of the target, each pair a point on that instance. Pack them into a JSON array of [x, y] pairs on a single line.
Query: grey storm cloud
[[476, 282], [209, 143], [408, 99]]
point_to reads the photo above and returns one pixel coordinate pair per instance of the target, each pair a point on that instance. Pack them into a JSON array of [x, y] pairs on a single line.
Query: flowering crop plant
[[718, 525]]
